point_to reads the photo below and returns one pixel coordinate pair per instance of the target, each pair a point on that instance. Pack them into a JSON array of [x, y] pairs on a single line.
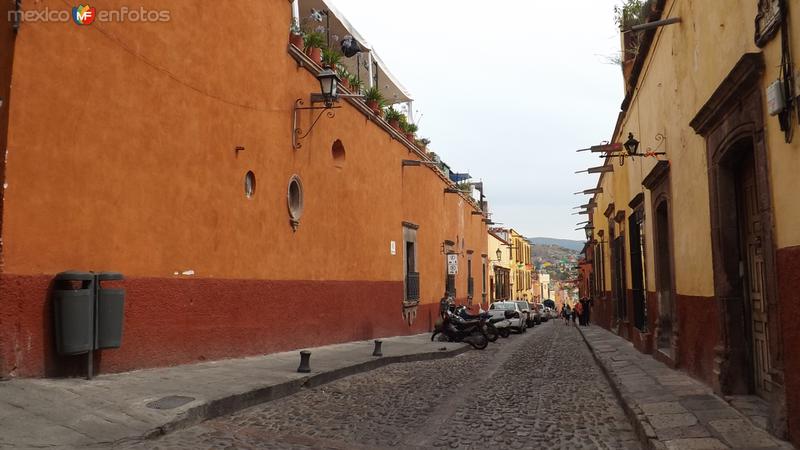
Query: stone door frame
[[732, 122]]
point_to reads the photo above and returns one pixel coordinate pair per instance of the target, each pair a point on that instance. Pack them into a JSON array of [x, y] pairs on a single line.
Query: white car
[[512, 312]]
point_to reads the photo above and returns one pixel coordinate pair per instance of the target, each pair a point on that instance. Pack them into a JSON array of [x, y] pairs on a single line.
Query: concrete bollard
[[377, 351], [305, 360]]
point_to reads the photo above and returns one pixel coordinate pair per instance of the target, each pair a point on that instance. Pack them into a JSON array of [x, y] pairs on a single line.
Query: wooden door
[[753, 277]]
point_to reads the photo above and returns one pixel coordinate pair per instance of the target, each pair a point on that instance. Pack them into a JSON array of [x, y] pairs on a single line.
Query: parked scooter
[[457, 329], [490, 330]]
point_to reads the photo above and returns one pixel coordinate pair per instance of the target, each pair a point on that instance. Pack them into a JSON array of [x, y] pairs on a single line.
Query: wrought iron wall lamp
[[328, 95]]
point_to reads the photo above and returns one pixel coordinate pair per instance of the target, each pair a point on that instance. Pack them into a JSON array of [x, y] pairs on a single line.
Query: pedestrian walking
[[587, 305], [577, 312], [566, 314]]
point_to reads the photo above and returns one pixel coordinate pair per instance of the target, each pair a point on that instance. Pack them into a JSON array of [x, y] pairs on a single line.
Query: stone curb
[[237, 402], [644, 430]]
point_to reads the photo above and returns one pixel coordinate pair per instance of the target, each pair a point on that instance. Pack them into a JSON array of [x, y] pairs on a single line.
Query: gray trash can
[[73, 305], [110, 311]]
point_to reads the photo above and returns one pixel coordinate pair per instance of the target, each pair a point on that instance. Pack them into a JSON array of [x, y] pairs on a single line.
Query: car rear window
[[502, 306]]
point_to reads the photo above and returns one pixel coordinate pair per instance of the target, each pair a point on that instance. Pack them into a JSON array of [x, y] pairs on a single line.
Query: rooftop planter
[[331, 58], [374, 99], [312, 45], [296, 35], [393, 117]]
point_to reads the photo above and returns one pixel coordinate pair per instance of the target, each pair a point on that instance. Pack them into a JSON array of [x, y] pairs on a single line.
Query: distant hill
[[566, 243]]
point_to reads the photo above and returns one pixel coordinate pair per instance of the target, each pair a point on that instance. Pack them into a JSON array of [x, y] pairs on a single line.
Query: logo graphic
[[84, 14]]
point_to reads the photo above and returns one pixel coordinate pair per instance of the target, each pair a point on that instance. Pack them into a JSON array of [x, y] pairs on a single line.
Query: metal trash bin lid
[[74, 275]]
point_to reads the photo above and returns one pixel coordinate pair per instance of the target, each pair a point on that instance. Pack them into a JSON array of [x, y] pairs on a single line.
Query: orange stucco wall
[[122, 157]]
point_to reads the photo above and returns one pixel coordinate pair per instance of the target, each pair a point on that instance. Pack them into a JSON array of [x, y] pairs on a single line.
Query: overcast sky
[[507, 91]]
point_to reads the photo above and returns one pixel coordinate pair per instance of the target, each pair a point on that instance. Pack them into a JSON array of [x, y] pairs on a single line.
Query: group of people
[[580, 313]]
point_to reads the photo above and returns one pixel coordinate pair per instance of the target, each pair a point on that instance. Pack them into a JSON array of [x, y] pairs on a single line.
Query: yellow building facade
[[500, 273], [521, 269], [696, 251]]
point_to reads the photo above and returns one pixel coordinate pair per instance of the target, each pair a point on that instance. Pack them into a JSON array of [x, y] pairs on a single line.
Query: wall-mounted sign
[[393, 247], [452, 264]]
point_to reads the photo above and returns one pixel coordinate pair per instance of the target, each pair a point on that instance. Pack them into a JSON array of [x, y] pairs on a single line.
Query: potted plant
[[374, 99], [410, 129], [423, 144], [356, 85], [393, 116], [312, 45], [331, 58], [344, 75], [296, 34]]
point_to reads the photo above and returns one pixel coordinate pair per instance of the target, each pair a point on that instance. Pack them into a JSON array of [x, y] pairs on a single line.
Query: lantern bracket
[[631, 147], [298, 133]]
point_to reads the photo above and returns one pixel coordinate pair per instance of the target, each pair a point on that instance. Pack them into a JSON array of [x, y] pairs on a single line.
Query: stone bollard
[[305, 359], [377, 351]]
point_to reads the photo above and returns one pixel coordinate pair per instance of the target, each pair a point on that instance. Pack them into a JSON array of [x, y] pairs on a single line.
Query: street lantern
[[328, 83], [329, 93], [499, 254], [589, 233], [631, 145]]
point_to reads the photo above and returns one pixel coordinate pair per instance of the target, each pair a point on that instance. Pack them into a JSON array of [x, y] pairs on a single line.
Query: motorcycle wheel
[[504, 332], [478, 342], [491, 333], [433, 336]]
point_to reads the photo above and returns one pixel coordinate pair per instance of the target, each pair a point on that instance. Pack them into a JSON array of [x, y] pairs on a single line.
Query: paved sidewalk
[[112, 409], [668, 408]]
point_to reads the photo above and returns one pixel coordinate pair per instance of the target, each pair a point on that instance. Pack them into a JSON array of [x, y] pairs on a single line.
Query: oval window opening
[[249, 184], [295, 201], [338, 153]]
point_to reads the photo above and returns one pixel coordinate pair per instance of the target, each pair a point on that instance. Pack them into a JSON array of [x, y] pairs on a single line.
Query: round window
[[249, 184], [295, 201]]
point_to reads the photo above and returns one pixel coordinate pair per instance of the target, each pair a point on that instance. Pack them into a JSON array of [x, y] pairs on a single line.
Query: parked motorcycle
[[489, 329], [457, 329]]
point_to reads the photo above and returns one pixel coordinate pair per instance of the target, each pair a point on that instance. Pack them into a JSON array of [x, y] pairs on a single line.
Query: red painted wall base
[[176, 321], [788, 260]]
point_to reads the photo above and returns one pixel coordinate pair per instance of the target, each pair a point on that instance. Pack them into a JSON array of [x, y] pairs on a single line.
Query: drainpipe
[[371, 64], [296, 11]]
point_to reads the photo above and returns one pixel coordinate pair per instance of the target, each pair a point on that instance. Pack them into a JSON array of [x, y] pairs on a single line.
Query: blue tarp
[[459, 177]]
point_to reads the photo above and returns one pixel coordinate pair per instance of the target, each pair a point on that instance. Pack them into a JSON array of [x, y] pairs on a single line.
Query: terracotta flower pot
[[373, 105], [315, 53], [346, 84], [410, 136], [296, 40], [395, 124]]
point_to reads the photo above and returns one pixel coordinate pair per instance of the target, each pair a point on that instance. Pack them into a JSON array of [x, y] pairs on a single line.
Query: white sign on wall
[[452, 264], [393, 247]]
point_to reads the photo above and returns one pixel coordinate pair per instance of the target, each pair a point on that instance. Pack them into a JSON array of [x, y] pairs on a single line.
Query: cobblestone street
[[521, 392]]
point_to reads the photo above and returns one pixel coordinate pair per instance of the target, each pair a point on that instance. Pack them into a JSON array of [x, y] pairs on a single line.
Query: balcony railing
[[412, 286]]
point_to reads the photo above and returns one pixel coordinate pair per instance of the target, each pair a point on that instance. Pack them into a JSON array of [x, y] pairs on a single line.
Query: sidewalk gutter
[[641, 426], [237, 402], [117, 408], [669, 409]]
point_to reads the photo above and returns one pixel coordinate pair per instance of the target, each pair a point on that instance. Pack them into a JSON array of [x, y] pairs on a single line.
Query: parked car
[[527, 312], [547, 313], [536, 312], [517, 319]]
